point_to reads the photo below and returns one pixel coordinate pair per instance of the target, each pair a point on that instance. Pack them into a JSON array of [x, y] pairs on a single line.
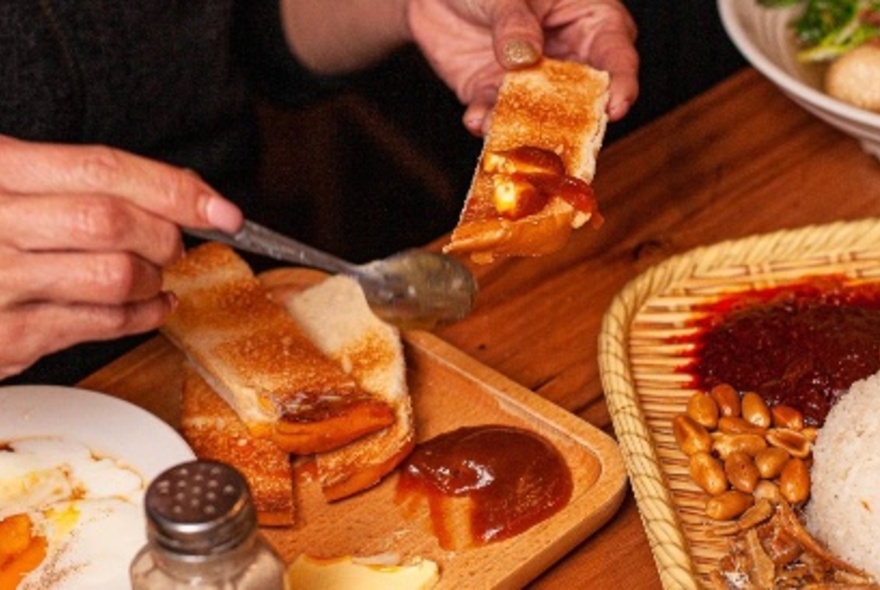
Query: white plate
[[764, 37], [110, 427]]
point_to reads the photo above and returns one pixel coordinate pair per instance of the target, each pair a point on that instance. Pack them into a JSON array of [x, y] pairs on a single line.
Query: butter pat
[[345, 573]]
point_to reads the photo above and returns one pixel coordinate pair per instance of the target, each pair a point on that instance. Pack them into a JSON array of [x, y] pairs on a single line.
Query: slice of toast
[[336, 317], [258, 359], [557, 107], [214, 431]]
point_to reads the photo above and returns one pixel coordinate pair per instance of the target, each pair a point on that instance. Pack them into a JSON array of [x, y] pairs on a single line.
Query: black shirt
[[168, 79]]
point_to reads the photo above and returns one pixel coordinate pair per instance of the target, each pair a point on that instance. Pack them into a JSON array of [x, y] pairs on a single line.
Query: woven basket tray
[[644, 391]]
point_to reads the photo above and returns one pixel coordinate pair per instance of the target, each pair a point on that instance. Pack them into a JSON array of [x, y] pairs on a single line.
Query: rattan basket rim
[[844, 247]]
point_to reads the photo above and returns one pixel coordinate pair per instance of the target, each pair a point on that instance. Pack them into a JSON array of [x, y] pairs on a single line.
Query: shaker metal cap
[[200, 508]]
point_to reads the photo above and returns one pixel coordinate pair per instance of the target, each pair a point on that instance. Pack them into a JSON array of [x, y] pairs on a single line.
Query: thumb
[[517, 35]]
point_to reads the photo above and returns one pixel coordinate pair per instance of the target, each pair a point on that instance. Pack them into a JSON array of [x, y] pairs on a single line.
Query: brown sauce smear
[[538, 175], [514, 479], [800, 345]]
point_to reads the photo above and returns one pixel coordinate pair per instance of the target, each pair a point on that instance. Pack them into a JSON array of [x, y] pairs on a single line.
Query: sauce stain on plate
[[66, 513]]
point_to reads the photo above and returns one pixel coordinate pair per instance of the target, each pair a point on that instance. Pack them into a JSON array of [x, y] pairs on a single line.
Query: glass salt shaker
[[202, 534]]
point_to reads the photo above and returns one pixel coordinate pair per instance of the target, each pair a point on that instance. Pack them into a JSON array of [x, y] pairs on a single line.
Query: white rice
[[844, 507]]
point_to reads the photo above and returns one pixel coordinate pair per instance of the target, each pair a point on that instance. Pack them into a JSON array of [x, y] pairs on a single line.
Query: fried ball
[[855, 77]]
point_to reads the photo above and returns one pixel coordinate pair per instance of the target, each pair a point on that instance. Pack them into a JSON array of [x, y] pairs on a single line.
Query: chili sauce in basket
[[801, 345]]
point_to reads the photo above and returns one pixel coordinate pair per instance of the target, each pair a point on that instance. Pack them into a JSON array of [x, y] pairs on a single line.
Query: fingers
[[38, 329], [111, 278], [84, 234], [599, 32], [517, 35], [173, 193], [618, 57], [475, 119], [612, 49], [88, 223]]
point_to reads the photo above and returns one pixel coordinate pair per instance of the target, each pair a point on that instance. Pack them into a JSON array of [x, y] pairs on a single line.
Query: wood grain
[[449, 390], [737, 160]]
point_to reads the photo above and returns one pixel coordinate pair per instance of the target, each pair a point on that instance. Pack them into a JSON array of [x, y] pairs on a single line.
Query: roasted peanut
[[794, 480], [767, 490], [741, 471], [750, 444], [708, 473], [755, 410], [690, 436], [756, 453], [787, 417], [728, 505], [727, 399], [791, 440], [810, 433], [739, 425], [769, 461], [703, 409]]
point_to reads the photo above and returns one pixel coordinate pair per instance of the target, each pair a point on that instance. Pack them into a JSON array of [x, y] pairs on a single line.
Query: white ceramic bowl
[[765, 39]]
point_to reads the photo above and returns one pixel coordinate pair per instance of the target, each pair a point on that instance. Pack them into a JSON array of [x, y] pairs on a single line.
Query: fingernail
[[222, 214], [520, 53]]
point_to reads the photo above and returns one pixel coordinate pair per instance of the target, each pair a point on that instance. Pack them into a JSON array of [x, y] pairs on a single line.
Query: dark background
[[386, 164]]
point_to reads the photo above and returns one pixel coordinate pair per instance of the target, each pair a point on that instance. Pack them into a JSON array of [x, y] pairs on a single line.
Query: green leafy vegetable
[[778, 3], [826, 29]]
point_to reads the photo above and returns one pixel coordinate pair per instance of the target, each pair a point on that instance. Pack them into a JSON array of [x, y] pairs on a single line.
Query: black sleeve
[[267, 61]]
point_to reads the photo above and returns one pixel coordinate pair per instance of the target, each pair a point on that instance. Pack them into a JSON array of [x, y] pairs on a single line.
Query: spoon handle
[[258, 239]]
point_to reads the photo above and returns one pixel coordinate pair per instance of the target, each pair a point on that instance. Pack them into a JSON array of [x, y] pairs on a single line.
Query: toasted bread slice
[[557, 107], [214, 431], [336, 317], [258, 359]]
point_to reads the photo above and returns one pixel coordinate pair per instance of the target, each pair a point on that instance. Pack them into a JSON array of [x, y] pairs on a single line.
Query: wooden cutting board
[[449, 389]]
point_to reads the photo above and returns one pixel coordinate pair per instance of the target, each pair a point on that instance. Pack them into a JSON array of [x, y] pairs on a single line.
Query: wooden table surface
[[738, 160]]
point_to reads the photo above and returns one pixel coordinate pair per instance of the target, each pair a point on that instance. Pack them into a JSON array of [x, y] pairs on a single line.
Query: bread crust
[[556, 106], [336, 317], [214, 431], [258, 359]]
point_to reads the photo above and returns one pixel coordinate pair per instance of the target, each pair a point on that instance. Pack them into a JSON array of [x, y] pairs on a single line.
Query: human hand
[[84, 234], [470, 44]]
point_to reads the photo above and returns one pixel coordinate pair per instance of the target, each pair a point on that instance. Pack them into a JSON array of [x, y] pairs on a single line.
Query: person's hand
[[84, 234], [469, 43]]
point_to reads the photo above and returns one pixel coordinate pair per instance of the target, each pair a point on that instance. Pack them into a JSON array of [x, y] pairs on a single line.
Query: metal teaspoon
[[411, 289]]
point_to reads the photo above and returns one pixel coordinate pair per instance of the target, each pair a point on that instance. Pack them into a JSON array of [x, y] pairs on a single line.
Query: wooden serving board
[[449, 389]]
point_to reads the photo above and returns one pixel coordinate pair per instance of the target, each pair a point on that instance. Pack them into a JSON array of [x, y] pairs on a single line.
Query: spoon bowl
[[418, 288], [411, 289]]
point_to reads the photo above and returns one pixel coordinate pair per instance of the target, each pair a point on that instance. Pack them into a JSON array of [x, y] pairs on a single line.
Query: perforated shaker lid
[[199, 508]]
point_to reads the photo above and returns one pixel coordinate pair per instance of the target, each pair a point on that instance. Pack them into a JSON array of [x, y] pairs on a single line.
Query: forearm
[[339, 36]]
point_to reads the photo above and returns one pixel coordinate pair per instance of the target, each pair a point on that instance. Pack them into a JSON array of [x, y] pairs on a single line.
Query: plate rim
[[730, 12], [45, 411], [88, 429]]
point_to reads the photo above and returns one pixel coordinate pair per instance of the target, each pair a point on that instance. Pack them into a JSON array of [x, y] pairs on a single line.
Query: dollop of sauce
[[801, 345], [514, 479], [525, 178]]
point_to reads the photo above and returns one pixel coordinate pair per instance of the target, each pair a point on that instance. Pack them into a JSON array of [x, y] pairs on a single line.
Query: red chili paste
[[800, 345]]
